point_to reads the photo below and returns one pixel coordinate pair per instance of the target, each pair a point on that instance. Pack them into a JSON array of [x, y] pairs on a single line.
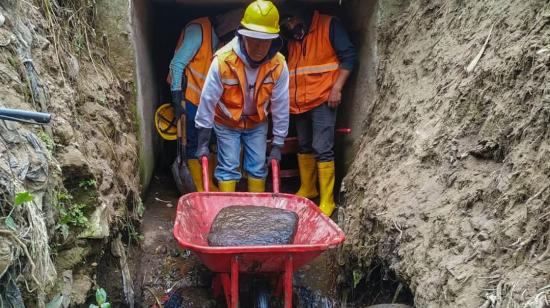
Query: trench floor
[[164, 267]]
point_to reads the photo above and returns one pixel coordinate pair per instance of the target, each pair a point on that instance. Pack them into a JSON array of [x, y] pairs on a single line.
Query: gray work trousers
[[315, 130]]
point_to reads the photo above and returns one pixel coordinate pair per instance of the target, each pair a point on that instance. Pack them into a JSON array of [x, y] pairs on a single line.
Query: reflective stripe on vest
[[315, 69], [313, 66], [229, 110], [198, 67], [196, 73]]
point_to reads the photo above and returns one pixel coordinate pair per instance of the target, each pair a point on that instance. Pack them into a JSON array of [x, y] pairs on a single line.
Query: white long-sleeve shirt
[[213, 90]]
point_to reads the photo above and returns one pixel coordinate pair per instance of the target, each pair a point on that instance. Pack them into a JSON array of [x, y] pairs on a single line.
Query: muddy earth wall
[[81, 171], [450, 186]]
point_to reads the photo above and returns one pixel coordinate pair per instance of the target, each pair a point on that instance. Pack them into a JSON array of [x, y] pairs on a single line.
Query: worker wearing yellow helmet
[[247, 80]]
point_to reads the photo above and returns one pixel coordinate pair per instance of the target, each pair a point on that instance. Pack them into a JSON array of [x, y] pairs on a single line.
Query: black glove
[[178, 103], [275, 153], [203, 142]]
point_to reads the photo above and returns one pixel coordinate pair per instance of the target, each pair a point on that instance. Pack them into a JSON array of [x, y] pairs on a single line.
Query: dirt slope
[[451, 183], [90, 190]]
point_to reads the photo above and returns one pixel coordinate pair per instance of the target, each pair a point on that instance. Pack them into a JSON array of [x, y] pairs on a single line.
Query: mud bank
[[450, 185], [80, 170]]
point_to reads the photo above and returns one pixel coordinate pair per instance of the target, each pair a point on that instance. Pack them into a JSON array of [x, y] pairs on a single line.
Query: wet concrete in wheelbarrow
[[252, 225], [163, 266]]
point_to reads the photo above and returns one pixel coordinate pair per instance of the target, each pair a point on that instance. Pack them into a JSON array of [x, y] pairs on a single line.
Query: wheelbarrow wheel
[[262, 297]]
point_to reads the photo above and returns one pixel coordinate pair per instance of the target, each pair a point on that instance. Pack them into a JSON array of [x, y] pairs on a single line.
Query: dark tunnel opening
[[167, 20]]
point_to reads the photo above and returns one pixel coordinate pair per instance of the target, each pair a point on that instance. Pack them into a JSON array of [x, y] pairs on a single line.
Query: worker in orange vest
[[194, 51], [247, 80], [320, 59]]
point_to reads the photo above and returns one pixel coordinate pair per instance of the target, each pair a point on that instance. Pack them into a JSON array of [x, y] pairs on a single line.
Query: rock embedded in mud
[[74, 166], [487, 149], [82, 284], [253, 225], [98, 223], [67, 259], [2, 19], [161, 250], [63, 131], [174, 253]]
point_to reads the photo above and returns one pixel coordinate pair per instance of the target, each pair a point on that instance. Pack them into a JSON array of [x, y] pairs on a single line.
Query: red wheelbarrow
[[315, 233]]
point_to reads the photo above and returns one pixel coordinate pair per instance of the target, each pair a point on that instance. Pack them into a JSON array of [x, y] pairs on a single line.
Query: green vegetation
[[86, 184], [101, 299], [357, 276], [47, 140], [70, 214], [20, 198], [23, 197]]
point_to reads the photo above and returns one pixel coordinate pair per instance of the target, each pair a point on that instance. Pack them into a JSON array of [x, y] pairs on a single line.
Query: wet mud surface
[[163, 267], [252, 225]]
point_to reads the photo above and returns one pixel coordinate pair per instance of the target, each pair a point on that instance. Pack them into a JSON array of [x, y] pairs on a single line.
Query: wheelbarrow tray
[[196, 212]]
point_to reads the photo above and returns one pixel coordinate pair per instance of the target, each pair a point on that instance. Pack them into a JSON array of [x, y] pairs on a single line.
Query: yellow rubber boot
[[227, 186], [256, 185], [326, 185], [196, 173], [212, 162], [308, 176]]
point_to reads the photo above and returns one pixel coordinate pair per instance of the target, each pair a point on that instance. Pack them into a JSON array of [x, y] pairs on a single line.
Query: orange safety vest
[[197, 68], [233, 77], [313, 66]]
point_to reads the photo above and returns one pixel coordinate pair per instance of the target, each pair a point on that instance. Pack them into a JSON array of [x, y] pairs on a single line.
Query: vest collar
[[314, 21]]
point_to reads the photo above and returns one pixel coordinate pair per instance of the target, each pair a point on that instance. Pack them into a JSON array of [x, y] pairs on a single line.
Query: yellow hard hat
[[165, 122], [261, 16]]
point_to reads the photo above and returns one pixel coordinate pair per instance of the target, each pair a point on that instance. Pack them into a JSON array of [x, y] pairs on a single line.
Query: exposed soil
[[450, 187], [161, 265], [84, 163]]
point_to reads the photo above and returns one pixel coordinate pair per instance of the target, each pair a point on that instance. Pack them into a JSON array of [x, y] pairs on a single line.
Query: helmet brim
[[258, 34]]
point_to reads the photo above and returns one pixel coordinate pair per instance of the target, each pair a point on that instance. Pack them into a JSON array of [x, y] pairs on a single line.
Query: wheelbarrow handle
[[274, 169], [343, 131], [275, 175], [205, 180]]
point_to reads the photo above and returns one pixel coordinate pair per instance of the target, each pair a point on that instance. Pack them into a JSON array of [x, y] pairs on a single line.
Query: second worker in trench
[[320, 58]]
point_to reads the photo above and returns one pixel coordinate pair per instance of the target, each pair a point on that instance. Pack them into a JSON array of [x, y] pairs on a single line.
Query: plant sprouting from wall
[[101, 299], [71, 214]]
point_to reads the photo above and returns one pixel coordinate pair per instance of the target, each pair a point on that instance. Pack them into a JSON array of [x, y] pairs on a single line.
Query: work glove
[[275, 153], [203, 142], [178, 103]]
